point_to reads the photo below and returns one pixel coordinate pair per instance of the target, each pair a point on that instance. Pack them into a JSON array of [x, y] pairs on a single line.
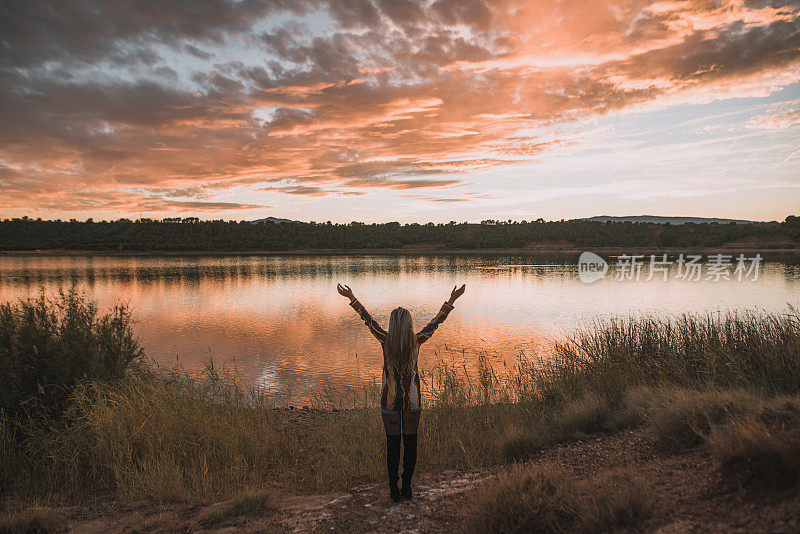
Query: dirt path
[[369, 509], [691, 492], [692, 495]]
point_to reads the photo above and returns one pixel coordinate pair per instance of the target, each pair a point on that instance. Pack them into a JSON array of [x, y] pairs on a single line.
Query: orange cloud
[[384, 98]]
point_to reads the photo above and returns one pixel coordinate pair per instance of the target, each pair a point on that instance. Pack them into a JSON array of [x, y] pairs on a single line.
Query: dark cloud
[[354, 13], [736, 51], [312, 191], [470, 12], [197, 52], [402, 12], [157, 205], [97, 112], [83, 31]]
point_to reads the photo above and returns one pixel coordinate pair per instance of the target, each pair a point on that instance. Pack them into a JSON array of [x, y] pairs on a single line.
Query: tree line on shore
[[192, 234]]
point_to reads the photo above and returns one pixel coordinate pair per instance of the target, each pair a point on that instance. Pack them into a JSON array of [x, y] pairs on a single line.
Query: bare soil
[[692, 491]]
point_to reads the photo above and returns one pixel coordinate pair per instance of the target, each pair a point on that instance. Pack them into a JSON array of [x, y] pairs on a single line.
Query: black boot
[[409, 462], [392, 464]]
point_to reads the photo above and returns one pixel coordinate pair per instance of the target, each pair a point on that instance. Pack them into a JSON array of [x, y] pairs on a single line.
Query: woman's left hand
[[345, 291], [457, 292]]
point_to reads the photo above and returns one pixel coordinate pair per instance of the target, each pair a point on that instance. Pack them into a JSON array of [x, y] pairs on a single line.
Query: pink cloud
[[393, 98]]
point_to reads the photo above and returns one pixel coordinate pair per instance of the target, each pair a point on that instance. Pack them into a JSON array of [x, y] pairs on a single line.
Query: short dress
[[401, 393]]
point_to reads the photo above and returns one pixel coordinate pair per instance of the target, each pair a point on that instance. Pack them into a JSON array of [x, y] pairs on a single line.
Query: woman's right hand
[[345, 291]]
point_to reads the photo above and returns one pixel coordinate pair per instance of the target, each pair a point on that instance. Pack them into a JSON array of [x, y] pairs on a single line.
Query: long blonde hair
[[401, 342]]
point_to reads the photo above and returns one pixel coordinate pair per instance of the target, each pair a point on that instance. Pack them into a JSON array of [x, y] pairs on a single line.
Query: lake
[[278, 322]]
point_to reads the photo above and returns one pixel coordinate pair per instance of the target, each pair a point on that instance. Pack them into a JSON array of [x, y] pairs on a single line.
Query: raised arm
[[446, 308], [374, 327]]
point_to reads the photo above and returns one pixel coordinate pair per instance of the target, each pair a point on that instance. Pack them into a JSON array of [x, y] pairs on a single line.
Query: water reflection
[[280, 323]]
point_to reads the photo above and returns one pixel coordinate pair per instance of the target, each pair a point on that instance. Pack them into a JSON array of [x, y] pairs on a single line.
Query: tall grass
[[147, 436], [171, 438], [757, 351], [165, 437]]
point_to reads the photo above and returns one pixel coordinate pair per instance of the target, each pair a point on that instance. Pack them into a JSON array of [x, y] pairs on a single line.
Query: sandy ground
[[693, 495]]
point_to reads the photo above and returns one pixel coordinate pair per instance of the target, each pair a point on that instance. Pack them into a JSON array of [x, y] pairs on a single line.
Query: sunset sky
[[395, 110]]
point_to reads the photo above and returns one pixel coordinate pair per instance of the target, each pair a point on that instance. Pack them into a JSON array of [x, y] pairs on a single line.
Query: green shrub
[[48, 346]]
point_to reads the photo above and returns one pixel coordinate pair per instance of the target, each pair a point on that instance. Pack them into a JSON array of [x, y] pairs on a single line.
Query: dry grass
[[587, 414], [167, 438], [756, 439], [755, 351], [762, 448], [173, 440], [33, 520], [249, 504], [574, 420], [544, 499], [684, 418], [148, 437], [167, 522]]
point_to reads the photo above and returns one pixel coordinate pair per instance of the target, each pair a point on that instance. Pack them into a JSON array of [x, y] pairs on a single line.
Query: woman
[[400, 393]]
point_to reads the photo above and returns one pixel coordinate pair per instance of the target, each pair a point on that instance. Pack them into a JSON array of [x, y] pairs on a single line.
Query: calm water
[[278, 321]]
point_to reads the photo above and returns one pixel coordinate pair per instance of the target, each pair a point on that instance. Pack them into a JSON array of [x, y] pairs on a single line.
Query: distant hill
[[653, 219], [272, 220]]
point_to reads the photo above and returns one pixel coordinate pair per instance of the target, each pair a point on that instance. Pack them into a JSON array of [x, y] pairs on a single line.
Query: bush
[[762, 448], [49, 346], [544, 499], [684, 418], [756, 439], [590, 413]]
